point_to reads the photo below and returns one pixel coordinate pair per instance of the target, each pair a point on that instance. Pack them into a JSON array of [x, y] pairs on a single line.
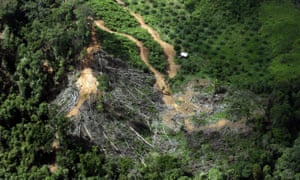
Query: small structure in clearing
[[184, 54]]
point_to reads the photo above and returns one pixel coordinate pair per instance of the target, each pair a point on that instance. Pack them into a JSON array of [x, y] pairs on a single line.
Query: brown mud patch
[[87, 85]]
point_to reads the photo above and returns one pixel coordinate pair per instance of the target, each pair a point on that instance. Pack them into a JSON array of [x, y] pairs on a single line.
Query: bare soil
[[53, 168], [87, 85]]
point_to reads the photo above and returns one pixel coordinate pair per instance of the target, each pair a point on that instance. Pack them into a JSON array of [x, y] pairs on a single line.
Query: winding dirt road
[[144, 53], [168, 48]]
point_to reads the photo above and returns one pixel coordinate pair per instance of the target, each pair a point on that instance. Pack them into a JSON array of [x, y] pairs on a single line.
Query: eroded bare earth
[[87, 85], [187, 107]]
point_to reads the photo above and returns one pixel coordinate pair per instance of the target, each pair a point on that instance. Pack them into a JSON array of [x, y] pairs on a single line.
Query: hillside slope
[[97, 89]]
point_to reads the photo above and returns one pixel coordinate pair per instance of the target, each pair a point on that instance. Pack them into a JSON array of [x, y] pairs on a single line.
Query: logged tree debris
[[120, 118]]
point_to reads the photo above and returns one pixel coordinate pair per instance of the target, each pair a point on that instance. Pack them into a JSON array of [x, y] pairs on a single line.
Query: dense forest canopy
[[250, 48]]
